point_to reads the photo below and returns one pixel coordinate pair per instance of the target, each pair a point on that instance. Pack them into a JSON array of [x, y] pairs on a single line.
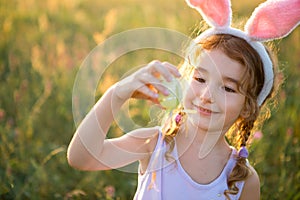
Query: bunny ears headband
[[271, 20]]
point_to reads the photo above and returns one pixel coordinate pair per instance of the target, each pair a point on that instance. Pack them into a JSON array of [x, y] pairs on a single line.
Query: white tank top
[[172, 182]]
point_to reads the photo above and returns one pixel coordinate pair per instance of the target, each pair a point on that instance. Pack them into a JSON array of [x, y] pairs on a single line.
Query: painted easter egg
[[171, 101]]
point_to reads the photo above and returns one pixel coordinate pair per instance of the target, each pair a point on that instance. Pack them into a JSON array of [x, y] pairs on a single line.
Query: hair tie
[[178, 118], [243, 152]]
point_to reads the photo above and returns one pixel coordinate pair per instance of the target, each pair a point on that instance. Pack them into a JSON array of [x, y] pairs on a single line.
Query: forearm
[[87, 142], [88, 149]]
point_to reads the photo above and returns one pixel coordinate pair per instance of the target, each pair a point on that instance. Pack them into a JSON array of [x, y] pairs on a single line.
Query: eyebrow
[[225, 78], [229, 79]]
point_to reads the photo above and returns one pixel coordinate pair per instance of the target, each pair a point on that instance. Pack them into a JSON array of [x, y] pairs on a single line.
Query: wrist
[[119, 94]]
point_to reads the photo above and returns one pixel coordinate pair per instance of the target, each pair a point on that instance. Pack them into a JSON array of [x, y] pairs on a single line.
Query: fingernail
[[169, 78], [166, 92], [155, 95]]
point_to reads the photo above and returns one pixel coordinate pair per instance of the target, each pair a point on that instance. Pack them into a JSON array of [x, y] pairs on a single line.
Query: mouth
[[204, 111]]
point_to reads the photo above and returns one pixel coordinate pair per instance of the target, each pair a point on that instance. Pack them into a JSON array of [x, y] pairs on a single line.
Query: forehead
[[217, 62]]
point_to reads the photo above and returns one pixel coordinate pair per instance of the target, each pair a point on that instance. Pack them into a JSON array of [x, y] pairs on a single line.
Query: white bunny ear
[[217, 13], [273, 19]]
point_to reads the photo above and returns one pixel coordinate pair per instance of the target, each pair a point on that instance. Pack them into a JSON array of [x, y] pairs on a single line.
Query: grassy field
[[42, 46]]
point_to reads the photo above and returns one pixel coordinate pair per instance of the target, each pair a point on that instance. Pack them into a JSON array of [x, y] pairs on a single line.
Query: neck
[[204, 140]]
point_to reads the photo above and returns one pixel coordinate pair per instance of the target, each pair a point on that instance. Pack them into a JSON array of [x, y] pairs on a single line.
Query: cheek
[[189, 95], [193, 88], [234, 106]]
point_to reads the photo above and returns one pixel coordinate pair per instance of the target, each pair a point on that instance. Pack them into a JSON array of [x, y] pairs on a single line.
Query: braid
[[171, 129], [241, 170], [246, 128]]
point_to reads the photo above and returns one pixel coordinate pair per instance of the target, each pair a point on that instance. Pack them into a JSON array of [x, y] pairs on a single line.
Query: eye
[[228, 89], [200, 80]]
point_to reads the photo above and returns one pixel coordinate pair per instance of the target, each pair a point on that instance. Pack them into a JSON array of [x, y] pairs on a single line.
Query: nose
[[206, 95]]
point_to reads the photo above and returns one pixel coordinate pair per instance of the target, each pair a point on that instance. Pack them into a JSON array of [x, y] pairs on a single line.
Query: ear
[[273, 19], [245, 114], [217, 13], [246, 111]]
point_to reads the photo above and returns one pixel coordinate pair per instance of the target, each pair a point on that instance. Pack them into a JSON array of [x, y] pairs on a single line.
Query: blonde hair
[[251, 85]]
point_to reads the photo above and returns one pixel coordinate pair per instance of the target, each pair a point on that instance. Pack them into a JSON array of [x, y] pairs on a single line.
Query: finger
[[139, 95], [158, 69], [165, 69], [147, 93], [172, 68], [152, 81]]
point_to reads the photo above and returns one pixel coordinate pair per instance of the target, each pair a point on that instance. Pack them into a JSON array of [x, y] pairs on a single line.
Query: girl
[[229, 79]]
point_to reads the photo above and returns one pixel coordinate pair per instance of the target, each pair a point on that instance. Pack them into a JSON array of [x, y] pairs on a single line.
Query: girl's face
[[213, 92]]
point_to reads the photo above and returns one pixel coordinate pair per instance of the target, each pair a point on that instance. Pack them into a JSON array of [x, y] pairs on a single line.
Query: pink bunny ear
[[273, 19], [217, 13]]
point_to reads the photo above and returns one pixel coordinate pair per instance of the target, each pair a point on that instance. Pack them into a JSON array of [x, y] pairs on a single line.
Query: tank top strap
[[156, 157], [149, 183]]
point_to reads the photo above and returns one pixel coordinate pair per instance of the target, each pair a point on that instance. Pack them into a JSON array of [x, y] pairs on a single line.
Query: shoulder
[[148, 139], [251, 188]]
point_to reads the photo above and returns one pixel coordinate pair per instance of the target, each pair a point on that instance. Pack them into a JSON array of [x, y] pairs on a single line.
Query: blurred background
[[42, 45]]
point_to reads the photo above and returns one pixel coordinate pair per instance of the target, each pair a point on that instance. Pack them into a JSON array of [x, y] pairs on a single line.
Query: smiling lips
[[204, 111]]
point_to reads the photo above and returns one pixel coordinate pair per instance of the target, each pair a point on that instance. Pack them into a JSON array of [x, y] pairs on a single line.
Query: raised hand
[[146, 83]]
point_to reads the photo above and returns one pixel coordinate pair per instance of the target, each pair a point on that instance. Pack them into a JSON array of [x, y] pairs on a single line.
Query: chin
[[206, 124]]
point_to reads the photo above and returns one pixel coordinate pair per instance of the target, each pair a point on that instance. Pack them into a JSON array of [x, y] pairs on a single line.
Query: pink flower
[[2, 114], [257, 135], [289, 132], [110, 191]]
